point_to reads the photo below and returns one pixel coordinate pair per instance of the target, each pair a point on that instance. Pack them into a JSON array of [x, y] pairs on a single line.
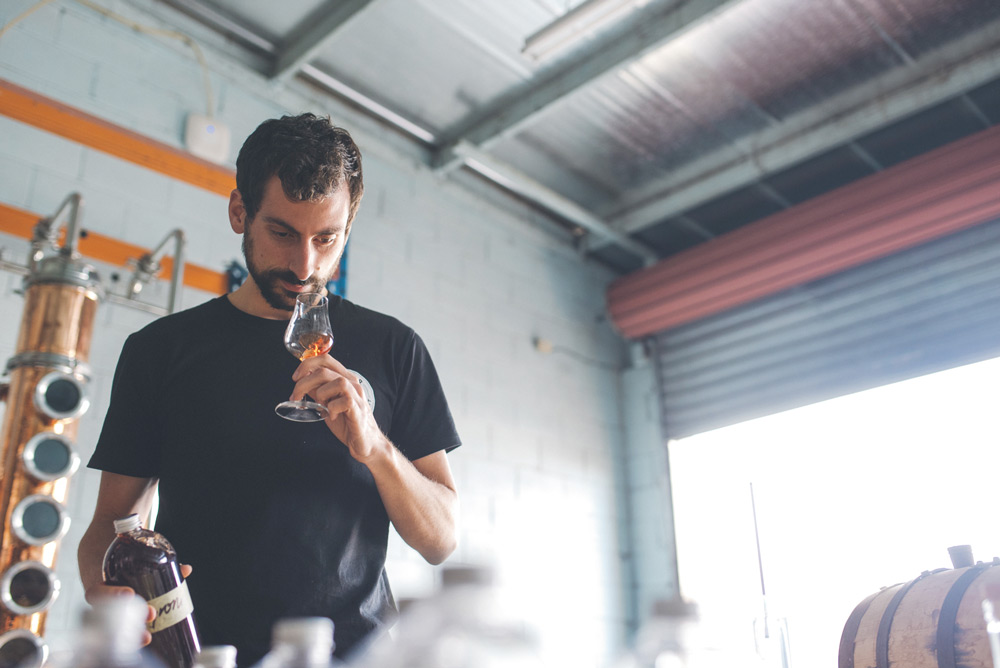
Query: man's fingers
[[186, 571], [327, 383], [326, 362], [100, 591], [312, 364], [337, 405]]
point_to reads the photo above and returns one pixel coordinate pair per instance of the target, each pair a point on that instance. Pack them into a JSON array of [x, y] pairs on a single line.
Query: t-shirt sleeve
[[129, 442], [422, 423]]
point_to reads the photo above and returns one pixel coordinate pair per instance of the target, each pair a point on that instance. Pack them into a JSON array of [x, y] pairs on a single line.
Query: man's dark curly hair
[[310, 155]]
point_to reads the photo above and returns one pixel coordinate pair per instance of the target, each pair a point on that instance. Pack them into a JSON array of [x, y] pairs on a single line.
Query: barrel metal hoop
[[949, 615], [885, 624], [850, 634]]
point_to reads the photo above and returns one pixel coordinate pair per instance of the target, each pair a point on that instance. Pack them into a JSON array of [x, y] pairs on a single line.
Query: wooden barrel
[[933, 621]]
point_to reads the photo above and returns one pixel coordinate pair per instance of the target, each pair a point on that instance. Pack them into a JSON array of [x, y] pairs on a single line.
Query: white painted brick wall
[[542, 433]]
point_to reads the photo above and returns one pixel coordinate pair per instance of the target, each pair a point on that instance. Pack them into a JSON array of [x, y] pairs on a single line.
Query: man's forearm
[[118, 497], [424, 510], [90, 553]]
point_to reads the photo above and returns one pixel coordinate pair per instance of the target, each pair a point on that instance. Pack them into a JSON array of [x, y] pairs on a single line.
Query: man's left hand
[[331, 384]]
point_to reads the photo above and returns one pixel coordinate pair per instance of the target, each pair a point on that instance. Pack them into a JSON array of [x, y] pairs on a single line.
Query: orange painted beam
[[47, 114], [21, 223]]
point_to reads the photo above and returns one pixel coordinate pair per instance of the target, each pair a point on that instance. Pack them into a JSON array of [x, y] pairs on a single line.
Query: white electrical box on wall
[[207, 138]]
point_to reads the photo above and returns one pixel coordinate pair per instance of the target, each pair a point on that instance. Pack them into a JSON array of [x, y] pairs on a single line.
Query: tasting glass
[[308, 335]]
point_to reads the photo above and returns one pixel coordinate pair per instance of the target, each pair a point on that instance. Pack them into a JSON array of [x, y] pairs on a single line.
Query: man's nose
[[302, 262]]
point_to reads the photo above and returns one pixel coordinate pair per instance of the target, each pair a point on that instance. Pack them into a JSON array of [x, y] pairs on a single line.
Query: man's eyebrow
[[281, 223]]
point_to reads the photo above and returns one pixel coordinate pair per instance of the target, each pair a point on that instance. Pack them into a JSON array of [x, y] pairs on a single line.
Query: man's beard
[[267, 280]]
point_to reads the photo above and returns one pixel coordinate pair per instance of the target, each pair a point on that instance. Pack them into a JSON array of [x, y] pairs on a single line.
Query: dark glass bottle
[[145, 561]]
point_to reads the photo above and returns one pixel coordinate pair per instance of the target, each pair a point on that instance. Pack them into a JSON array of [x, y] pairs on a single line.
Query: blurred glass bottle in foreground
[[303, 642], [216, 656], [463, 625], [675, 636], [145, 561], [664, 640], [110, 636]]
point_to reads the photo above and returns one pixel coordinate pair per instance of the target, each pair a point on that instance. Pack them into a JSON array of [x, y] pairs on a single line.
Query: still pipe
[[148, 266], [45, 235]]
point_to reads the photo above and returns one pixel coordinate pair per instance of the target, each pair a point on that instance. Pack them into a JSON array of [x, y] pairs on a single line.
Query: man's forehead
[[276, 188], [276, 203]]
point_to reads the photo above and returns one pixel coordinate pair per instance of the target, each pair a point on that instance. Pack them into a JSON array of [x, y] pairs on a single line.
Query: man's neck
[[249, 299]]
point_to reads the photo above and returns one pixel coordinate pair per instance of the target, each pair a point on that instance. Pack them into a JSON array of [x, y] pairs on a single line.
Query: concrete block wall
[[539, 472]]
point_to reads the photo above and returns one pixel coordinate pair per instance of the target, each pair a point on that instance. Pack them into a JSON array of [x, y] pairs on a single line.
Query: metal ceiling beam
[[911, 61], [507, 176], [491, 168], [949, 72], [373, 107], [495, 170], [626, 42], [309, 36], [221, 22], [240, 32]]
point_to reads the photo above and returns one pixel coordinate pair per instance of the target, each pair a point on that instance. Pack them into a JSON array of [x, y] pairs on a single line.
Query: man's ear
[[237, 212]]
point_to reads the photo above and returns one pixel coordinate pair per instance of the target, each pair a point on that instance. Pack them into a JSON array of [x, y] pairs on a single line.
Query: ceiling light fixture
[[581, 22]]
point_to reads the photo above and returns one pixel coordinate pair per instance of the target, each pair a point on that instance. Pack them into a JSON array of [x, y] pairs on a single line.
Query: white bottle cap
[[216, 656], [126, 524], [314, 632]]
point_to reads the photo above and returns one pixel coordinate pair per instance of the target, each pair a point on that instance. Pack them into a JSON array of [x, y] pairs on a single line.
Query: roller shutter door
[[925, 309]]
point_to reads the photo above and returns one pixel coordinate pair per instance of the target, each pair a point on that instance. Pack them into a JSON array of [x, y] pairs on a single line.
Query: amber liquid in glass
[[311, 344], [145, 561]]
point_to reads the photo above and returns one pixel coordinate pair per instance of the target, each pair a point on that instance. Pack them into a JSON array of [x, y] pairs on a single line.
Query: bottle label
[[171, 608]]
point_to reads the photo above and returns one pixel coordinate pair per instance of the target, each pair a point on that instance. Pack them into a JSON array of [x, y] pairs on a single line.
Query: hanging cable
[[138, 27], [173, 34], [23, 15]]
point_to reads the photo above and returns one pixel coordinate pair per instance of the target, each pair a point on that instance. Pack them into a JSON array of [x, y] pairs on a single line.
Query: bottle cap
[[216, 656], [304, 632], [452, 576], [126, 524], [675, 607]]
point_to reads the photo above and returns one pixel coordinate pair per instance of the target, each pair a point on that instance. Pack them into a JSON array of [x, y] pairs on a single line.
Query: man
[[277, 518]]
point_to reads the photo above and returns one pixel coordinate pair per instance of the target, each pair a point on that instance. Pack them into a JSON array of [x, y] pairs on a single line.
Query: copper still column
[[47, 391]]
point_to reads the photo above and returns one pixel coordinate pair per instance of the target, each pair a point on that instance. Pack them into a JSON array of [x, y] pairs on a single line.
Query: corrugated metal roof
[[676, 122]]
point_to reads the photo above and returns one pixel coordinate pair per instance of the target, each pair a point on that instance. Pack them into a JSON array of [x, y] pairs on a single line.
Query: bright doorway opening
[[851, 495]]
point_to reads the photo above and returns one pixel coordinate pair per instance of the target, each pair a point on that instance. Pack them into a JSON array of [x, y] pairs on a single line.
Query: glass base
[[301, 411]]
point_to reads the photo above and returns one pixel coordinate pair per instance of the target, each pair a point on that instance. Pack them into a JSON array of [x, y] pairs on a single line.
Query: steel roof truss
[[627, 42], [955, 69], [313, 33]]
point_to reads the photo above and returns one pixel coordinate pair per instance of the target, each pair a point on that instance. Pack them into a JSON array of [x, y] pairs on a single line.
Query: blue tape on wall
[[338, 286]]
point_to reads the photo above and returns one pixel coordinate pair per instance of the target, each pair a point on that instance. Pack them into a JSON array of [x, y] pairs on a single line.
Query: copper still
[[46, 392]]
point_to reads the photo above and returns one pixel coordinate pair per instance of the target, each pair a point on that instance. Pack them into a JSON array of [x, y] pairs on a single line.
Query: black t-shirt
[[276, 517]]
